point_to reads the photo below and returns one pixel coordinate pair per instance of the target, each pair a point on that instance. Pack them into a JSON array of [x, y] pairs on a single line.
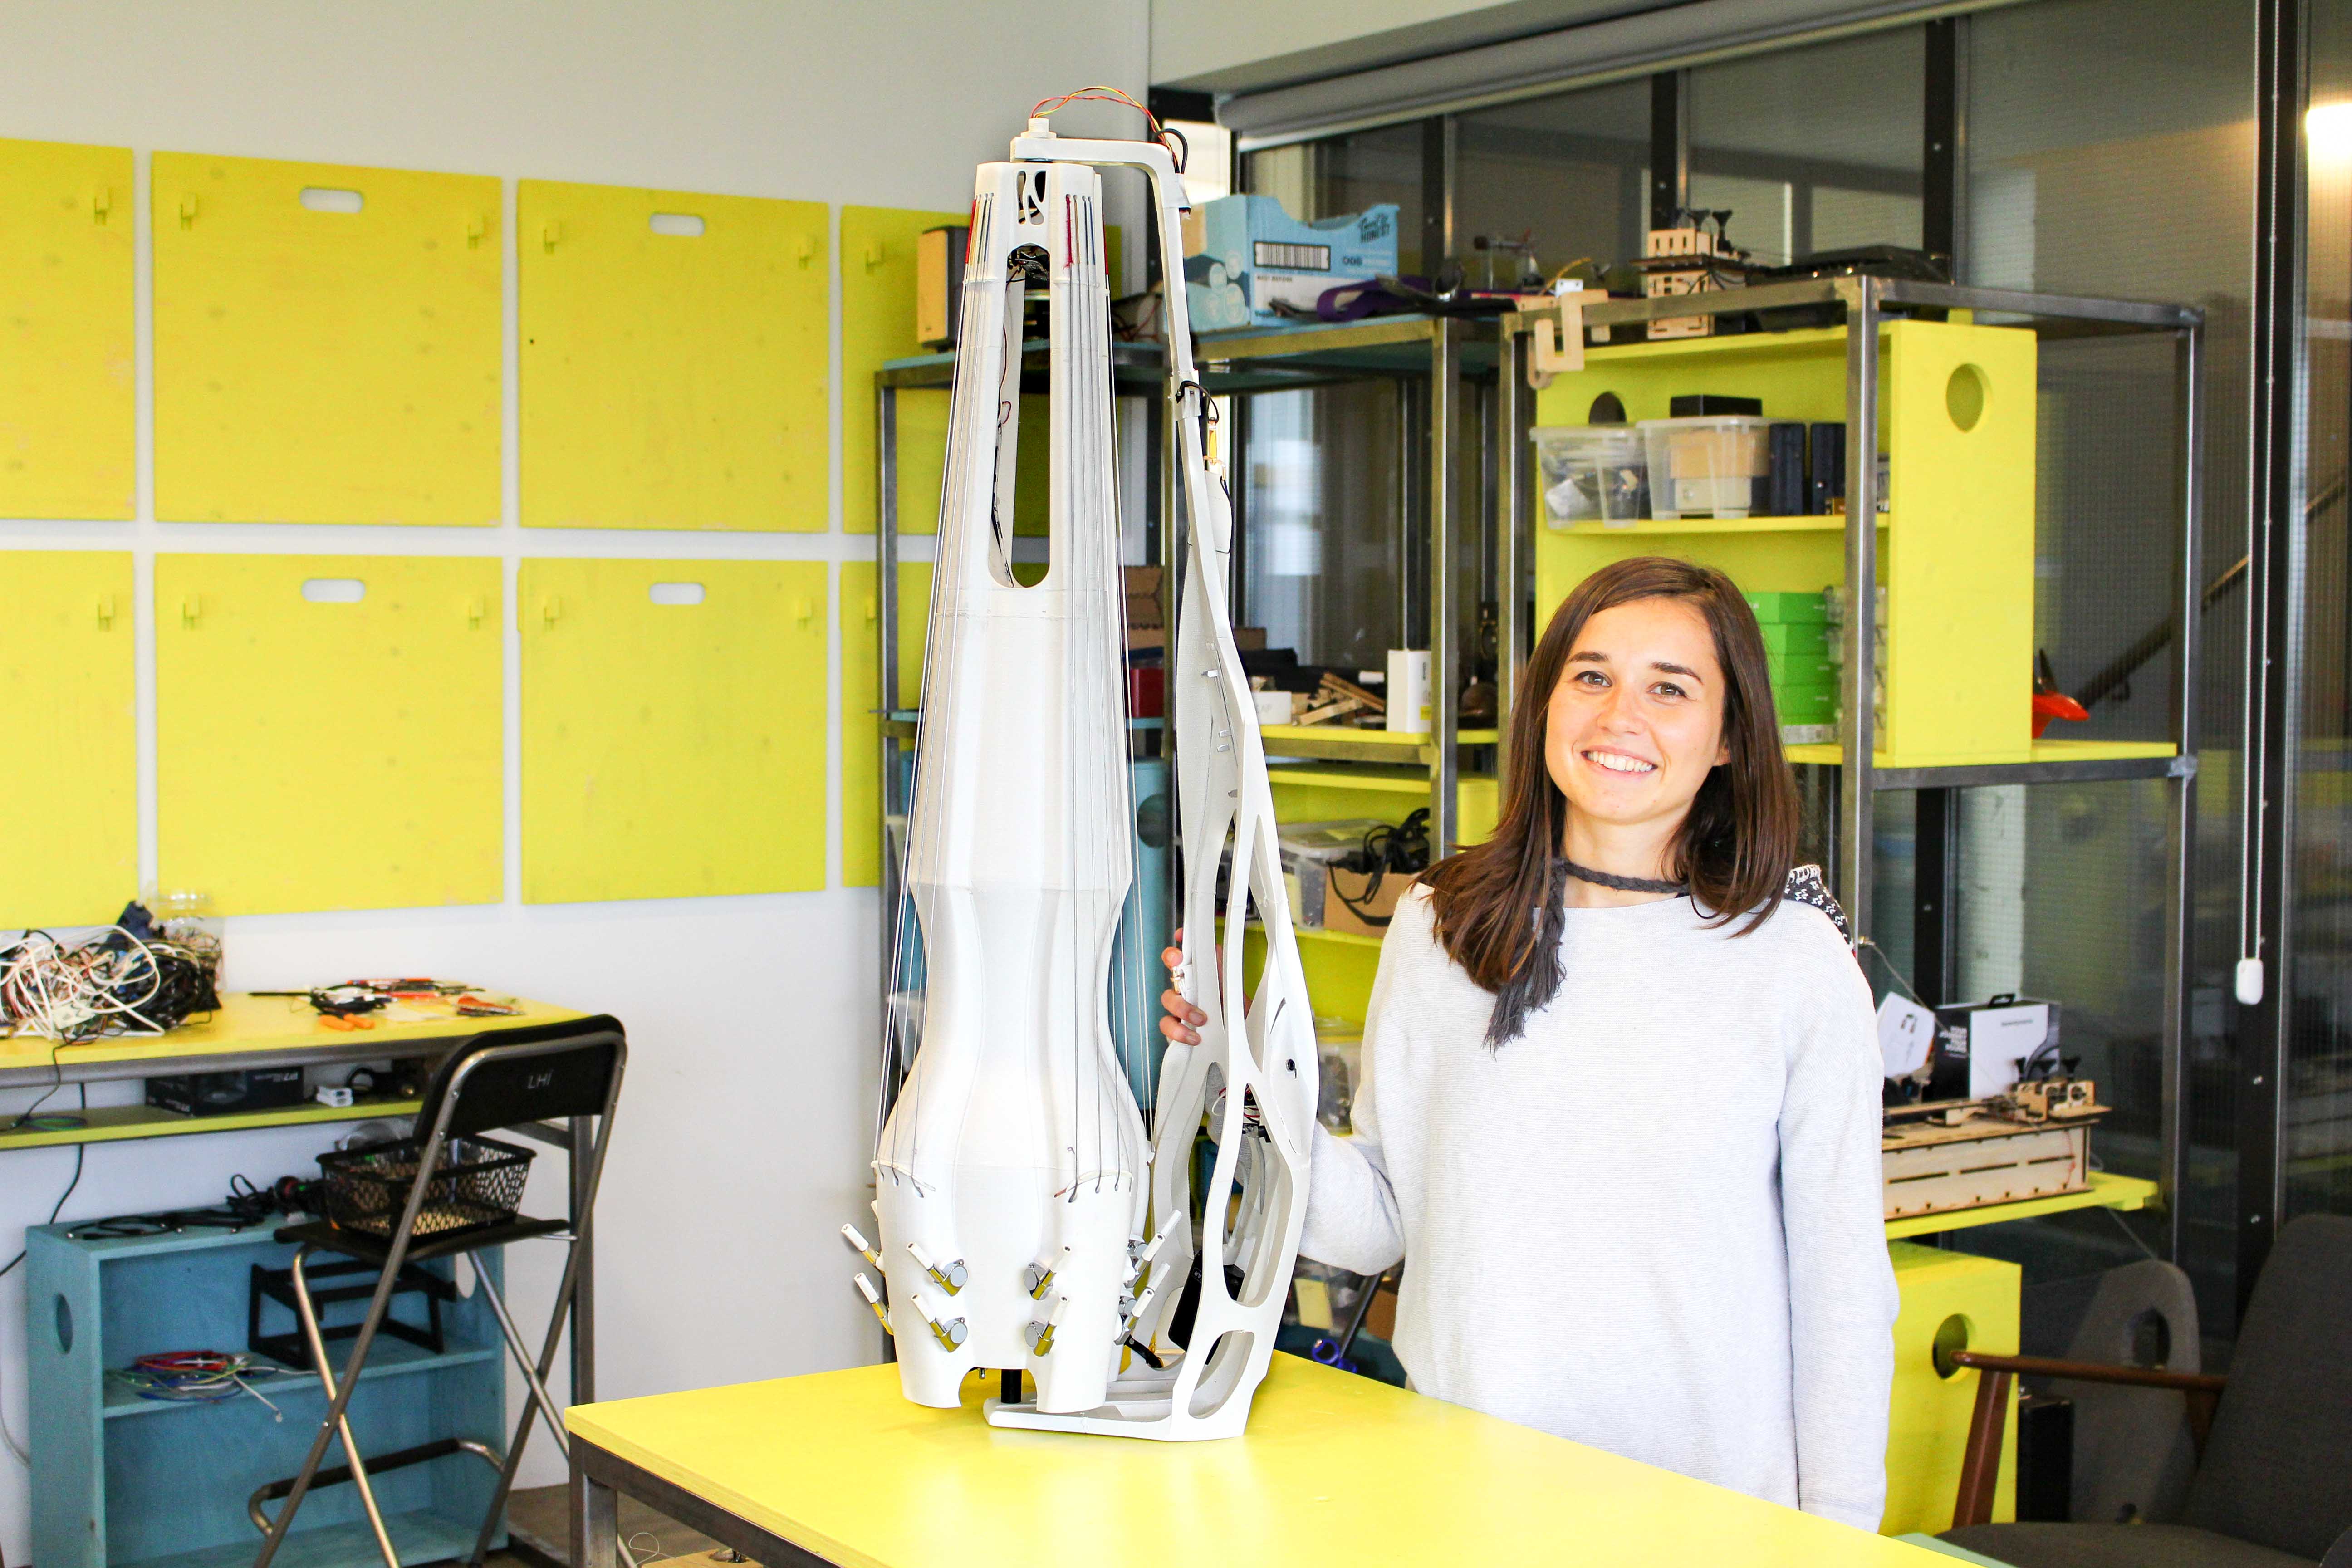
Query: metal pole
[[2274, 657], [1444, 395], [2180, 923], [1857, 731], [595, 1522], [583, 1259], [1514, 413], [886, 702], [343, 1423]]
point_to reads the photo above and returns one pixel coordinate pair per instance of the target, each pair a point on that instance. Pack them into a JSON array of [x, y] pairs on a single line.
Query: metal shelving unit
[[1447, 354], [1864, 303], [1444, 353]]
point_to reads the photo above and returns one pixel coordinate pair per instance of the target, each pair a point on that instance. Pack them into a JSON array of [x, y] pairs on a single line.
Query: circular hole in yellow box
[[1951, 1334], [1964, 396]]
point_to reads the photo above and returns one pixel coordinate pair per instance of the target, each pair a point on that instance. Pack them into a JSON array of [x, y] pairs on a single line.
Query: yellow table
[[249, 1031], [837, 1469]]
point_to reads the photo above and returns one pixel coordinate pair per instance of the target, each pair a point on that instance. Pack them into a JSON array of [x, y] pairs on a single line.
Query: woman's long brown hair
[[1499, 904]]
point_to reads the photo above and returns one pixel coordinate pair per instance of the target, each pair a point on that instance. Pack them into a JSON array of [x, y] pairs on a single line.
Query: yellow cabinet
[[1956, 541], [1974, 1303]]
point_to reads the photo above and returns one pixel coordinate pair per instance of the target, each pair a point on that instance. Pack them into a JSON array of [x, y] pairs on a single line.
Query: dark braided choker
[[1538, 979], [1622, 884]]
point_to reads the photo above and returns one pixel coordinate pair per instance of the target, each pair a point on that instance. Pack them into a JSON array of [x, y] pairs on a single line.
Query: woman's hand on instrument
[[1182, 1020]]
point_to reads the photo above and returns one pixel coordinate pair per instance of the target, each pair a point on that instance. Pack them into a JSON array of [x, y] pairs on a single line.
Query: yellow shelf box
[[1955, 542]]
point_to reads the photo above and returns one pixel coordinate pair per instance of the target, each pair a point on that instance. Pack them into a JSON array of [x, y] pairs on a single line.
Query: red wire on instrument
[[1045, 107]]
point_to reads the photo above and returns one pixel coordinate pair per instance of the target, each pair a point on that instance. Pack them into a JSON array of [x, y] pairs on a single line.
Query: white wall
[[743, 1133]]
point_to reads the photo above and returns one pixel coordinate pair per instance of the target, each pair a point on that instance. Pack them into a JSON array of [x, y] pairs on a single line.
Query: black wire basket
[[478, 1183]]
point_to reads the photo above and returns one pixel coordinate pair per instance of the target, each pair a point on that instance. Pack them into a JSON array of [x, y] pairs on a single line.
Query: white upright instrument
[[1028, 1222]]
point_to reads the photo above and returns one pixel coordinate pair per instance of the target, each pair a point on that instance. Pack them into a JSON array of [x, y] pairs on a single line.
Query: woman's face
[[1636, 722]]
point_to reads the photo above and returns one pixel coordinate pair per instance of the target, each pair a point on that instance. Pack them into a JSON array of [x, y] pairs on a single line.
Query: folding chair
[[528, 1081]]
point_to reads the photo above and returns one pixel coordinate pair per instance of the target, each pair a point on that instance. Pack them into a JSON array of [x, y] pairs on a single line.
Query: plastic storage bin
[[1714, 466], [1592, 473]]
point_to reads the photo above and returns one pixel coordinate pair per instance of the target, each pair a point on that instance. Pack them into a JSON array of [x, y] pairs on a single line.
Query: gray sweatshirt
[[1652, 1223]]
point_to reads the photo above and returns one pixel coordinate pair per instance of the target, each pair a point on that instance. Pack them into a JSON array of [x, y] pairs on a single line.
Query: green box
[[1801, 669], [1788, 609], [1805, 704], [1802, 638]]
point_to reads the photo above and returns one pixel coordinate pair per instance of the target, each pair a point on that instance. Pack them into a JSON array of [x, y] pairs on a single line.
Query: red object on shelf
[[2049, 705], [1147, 691]]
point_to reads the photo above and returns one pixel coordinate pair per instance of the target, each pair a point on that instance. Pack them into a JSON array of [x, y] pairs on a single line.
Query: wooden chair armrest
[[1980, 1459], [2089, 1372]]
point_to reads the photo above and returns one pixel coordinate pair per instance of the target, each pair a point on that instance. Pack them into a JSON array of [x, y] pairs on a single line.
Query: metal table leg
[[595, 1522]]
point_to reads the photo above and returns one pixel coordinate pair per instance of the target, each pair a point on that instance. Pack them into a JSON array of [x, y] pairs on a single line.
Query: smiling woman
[[1663, 767], [1620, 1104]]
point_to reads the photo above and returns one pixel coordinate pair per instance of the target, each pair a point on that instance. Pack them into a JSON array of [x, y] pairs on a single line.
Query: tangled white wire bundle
[[79, 991]]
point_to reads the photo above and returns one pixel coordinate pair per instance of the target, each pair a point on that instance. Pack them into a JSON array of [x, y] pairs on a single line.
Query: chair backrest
[[2277, 1469], [542, 1072], [2133, 1454]]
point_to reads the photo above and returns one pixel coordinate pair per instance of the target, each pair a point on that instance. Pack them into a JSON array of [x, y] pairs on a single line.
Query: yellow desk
[[837, 1469], [247, 1032]]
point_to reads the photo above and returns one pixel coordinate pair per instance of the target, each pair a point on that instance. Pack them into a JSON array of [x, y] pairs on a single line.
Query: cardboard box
[[939, 285], [1347, 889], [1246, 255]]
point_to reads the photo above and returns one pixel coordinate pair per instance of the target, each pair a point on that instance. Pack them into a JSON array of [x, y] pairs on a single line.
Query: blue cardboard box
[[1253, 255]]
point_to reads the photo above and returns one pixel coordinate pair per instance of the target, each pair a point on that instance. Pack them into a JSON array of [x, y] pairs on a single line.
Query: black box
[[1786, 450], [1825, 474], [226, 1093], [1706, 404], [2045, 1458]]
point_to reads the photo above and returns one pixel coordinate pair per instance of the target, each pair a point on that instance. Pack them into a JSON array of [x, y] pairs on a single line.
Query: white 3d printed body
[[1027, 1221]]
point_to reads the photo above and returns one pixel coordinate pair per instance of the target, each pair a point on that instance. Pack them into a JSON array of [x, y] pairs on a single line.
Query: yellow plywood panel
[[861, 735], [67, 387], [67, 680], [877, 324], [317, 364], [314, 751], [1929, 1421], [672, 748], [675, 362]]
